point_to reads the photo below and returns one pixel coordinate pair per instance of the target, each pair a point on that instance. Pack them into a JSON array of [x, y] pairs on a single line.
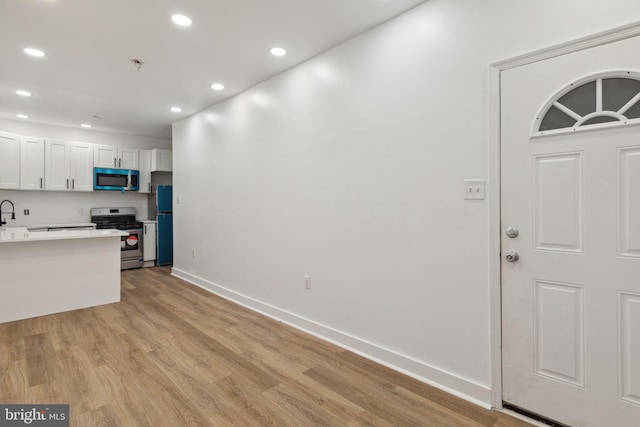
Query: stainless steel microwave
[[116, 179]]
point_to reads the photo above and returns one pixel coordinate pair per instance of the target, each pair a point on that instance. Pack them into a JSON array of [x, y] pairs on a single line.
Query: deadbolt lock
[[511, 232]]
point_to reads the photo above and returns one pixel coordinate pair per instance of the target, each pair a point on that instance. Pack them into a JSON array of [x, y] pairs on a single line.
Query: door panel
[[629, 202], [630, 347], [571, 300], [559, 331], [558, 207]]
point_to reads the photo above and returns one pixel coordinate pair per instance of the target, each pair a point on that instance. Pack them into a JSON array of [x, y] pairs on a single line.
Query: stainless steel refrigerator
[[161, 206]]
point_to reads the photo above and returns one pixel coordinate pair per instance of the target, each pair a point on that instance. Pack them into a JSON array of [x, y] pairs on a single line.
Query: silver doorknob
[[511, 256]]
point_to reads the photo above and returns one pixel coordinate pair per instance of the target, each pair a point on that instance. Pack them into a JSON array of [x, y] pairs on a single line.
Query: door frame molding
[[495, 215]]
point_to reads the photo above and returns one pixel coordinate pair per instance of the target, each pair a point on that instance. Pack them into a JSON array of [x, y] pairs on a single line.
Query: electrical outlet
[[26, 212], [193, 253], [307, 282], [474, 189]]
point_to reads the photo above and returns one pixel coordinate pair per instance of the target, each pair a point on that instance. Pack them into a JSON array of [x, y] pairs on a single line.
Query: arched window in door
[[604, 100]]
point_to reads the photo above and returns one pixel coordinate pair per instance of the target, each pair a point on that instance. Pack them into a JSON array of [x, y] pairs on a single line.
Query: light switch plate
[[474, 189]]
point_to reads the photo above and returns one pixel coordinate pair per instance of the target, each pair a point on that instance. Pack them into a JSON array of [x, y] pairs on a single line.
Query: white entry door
[[570, 182]]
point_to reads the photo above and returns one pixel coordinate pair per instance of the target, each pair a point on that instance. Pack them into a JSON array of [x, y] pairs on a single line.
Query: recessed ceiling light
[[86, 125], [182, 20], [23, 93], [176, 109], [33, 52], [278, 51], [22, 116], [217, 86]]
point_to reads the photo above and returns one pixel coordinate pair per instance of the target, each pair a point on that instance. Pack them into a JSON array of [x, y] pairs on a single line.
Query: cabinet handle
[[67, 183], [114, 162], [145, 229], [73, 184], [119, 163], [149, 187], [40, 182]]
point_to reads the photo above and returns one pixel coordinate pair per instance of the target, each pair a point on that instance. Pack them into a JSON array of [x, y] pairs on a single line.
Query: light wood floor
[[171, 354]]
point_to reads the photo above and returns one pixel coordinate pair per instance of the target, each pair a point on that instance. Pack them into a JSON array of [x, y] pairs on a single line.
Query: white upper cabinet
[[128, 158], [111, 156], [9, 161], [56, 167], [105, 156], [145, 172], [161, 160], [31, 163], [81, 166], [68, 166]]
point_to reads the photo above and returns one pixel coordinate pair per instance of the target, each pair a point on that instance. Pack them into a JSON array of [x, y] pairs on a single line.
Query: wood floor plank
[[433, 394], [172, 354], [103, 416], [369, 396], [247, 403], [14, 382], [40, 363]]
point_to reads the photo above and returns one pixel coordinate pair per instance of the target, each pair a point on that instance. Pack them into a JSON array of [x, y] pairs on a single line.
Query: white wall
[[55, 207], [350, 167]]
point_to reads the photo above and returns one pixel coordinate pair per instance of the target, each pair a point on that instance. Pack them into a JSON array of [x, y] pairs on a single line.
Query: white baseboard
[[446, 381]]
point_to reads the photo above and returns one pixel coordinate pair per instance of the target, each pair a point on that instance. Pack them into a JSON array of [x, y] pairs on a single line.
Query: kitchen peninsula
[[46, 272]]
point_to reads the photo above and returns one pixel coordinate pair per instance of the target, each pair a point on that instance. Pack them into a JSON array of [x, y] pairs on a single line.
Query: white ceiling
[[89, 44]]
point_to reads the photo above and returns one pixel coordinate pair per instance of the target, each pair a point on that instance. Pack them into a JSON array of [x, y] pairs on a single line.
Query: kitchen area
[[73, 215]]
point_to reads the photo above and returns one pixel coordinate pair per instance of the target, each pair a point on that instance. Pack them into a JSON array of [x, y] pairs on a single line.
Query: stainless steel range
[[131, 250]]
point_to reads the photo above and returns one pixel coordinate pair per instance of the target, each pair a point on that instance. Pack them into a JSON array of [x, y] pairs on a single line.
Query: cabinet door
[[149, 246], [81, 166], [9, 161], [145, 171], [128, 158], [56, 160], [105, 156], [31, 163], [161, 160]]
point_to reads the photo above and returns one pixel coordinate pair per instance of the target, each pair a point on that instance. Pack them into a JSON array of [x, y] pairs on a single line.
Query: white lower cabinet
[[149, 243]]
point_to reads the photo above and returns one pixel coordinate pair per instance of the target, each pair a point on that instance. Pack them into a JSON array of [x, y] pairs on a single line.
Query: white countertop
[[22, 234]]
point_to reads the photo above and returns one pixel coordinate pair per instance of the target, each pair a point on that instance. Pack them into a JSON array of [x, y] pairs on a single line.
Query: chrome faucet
[[13, 212]]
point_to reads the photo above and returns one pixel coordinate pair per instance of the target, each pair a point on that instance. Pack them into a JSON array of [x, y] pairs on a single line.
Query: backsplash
[[58, 207]]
